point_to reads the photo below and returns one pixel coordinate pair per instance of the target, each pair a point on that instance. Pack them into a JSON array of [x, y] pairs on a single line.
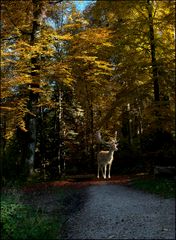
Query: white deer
[[105, 158]]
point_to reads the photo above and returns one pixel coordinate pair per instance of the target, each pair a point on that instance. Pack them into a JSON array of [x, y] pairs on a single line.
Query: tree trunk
[[92, 133], [153, 51], [33, 97], [60, 157], [90, 123]]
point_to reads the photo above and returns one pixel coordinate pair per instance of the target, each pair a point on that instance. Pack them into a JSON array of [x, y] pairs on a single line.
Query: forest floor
[[103, 209]]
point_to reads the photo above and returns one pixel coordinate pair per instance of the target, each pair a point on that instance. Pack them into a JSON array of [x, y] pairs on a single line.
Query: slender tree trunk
[[42, 143], [32, 144], [3, 129], [156, 88], [60, 132], [90, 124], [130, 139], [92, 131], [153, 51]]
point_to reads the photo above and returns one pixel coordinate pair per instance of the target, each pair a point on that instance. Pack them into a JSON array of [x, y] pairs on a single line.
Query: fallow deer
[[105, 158]]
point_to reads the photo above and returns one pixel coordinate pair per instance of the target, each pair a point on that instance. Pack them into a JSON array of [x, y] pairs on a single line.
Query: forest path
[[108, 209]]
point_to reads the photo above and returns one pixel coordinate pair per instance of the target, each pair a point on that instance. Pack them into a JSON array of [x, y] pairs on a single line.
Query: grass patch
[[19, 221], [160, 186]]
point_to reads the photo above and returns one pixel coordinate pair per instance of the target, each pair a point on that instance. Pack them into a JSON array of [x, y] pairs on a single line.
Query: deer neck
[[111, 152]]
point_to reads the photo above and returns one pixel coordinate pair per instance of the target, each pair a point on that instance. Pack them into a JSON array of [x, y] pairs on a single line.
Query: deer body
[[104, 159]]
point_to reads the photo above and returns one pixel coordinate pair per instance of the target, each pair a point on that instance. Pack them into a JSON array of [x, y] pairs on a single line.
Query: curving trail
[[106, 209], [119, 212]]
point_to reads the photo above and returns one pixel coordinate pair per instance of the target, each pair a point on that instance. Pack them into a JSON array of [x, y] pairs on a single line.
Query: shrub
[[19, 221]]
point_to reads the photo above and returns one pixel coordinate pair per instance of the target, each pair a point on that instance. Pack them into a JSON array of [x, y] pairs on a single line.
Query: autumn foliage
[[66, 74]]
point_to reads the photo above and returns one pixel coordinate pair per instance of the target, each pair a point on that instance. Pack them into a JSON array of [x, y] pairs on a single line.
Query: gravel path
[[119, 212]]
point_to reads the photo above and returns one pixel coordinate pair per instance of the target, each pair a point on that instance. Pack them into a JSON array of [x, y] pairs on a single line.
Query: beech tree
[[147, 48], [29, 49]]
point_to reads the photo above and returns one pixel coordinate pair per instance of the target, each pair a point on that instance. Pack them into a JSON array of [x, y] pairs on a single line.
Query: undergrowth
[[161, 186], [19, 221]]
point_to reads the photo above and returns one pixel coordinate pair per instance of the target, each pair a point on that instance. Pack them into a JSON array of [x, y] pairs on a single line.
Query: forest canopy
[[66, 74]]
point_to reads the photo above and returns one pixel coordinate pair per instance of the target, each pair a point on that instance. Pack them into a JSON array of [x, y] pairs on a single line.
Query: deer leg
[[109, 174], [98, 171], [102, 171], [105, 167]]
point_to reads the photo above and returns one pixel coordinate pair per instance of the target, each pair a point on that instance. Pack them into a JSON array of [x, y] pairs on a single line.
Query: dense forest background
[[67, 74]]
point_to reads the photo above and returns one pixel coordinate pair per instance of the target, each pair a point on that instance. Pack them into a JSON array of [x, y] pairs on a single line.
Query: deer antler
[[116, 139], [115, 136], [99, 138]]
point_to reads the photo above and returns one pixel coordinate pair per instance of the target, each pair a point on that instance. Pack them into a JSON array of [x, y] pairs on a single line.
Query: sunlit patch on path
[[79, 181]]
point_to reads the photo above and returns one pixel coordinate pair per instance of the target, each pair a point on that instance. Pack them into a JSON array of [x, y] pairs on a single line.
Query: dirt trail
[[105, 209]]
